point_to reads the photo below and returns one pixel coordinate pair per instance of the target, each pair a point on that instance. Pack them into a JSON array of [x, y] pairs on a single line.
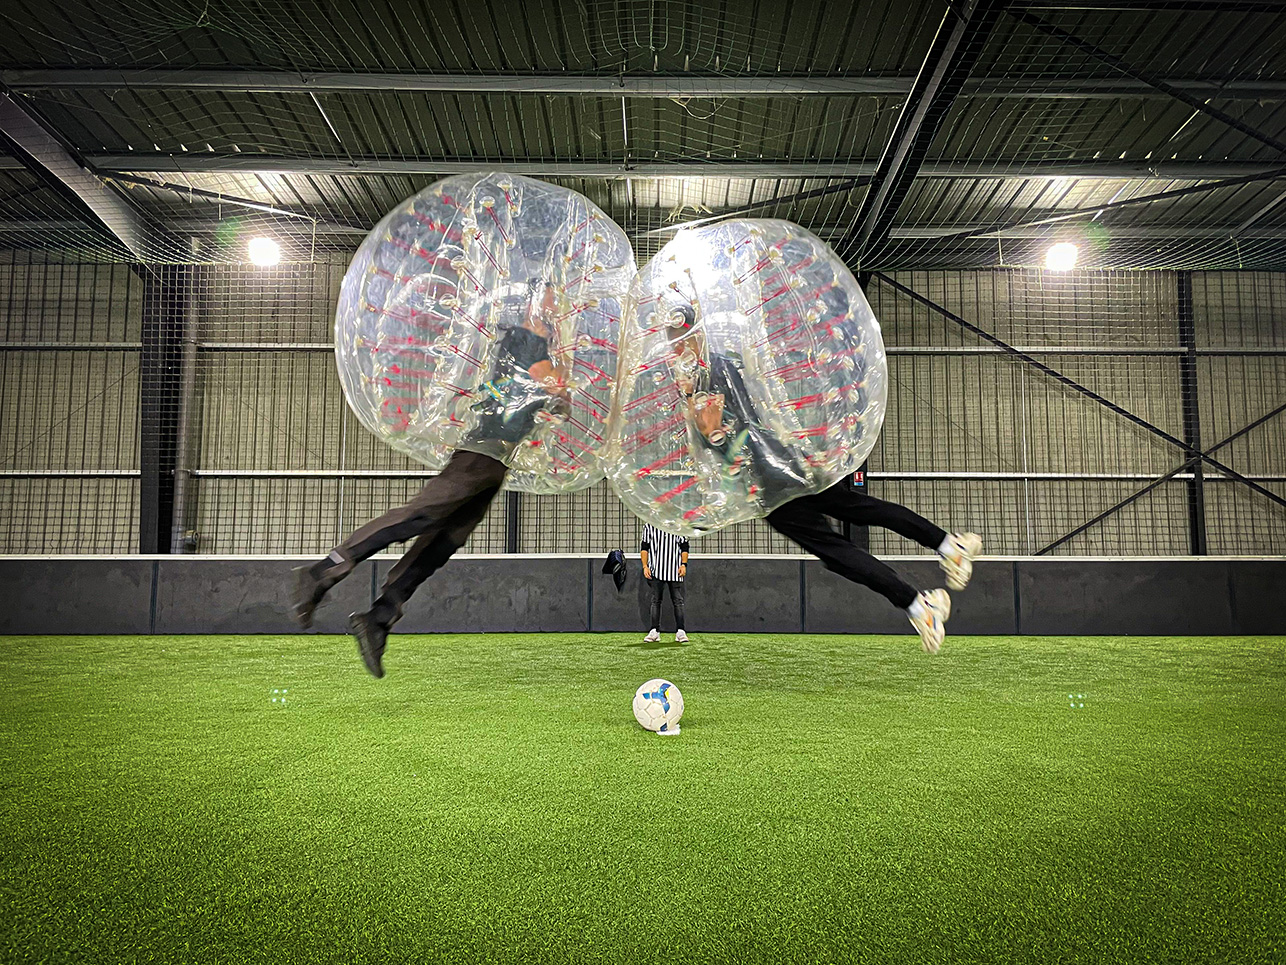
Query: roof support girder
[[45, 155], [597, 85], [952, 55]]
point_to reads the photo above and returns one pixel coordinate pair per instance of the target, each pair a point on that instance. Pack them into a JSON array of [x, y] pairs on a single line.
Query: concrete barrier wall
[[201, 594]]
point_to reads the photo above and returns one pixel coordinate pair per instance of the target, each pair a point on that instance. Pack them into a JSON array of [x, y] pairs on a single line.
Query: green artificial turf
[[830, 799]]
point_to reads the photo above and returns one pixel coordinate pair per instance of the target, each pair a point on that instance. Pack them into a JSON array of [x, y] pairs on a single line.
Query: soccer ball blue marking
[[661, 696], [658, 705]]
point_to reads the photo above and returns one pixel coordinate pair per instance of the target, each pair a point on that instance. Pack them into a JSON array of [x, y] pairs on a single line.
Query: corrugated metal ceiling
[[665, 40]]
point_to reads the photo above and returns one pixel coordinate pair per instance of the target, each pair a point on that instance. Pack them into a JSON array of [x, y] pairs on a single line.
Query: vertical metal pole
[[513, 507], [860, 536], [160, 365], [187, 394], [1188, 391], [1031, 535]]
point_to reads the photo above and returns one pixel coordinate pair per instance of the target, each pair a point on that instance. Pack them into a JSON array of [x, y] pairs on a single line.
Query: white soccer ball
[[658, 705]]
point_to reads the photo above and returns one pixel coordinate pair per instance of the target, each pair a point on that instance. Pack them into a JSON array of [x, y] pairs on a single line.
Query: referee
[[665, 563]]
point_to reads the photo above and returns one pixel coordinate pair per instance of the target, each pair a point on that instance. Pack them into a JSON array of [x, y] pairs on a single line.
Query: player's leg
[[425, 557], [677, 601], [465, 476], [804, 525], [956, 551], [656, 588]]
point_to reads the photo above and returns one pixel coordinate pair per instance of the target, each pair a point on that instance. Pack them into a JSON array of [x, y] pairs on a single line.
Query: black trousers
[[676, 600], [439, 518], [803, 521]]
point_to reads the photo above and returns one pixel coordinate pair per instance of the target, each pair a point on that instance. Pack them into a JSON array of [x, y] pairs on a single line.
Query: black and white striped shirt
[[664, 552]]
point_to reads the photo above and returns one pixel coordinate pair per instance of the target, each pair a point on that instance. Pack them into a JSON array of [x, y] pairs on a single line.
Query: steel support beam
[[1076, 386], [951, 57], [1273, 174], [301, 225], [45, 155], [597, 85], [165, 311], [1160, 480], [846, 185], [1189, 399], [207, 162], [1168, 6], [1098, 53]]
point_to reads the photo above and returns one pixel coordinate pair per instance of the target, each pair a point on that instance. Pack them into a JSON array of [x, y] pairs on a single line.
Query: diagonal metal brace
[[1186, 464], [1076, 386], [1098, 53]]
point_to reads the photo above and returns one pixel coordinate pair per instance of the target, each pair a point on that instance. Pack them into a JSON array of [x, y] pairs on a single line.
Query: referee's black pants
[[803, 521], [439, 518], [676, 600]]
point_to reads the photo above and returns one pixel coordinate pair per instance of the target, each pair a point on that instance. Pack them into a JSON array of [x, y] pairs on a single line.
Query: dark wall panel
[[742, 596], [1053, 597], [53, 595], [1145, 597], [1258, 592], [482, 595], [834, 605], [247, 596], [627, 609]]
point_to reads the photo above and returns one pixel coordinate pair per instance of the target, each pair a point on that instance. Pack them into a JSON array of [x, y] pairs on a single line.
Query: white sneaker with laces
[[680, 636], [931, 623], [653, 636], [957, 562]]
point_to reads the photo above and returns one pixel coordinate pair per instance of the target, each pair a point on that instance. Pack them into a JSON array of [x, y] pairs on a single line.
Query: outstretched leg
[[956, 550], [863, 510], [425, 557], [463, 478], [803, 524], [806, 526]]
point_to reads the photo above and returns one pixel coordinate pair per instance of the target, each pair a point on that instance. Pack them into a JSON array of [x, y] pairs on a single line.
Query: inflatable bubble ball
[[483, 314], [752, 372]]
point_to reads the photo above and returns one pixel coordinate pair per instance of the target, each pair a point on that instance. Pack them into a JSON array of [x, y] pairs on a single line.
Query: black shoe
[[309, 591], [372, 638]]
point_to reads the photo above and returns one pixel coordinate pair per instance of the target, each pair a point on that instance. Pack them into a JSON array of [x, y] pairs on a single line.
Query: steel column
[[1189, 398], [513, 513], [160, 375]]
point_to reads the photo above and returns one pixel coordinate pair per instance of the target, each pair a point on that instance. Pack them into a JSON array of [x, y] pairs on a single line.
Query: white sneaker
[[680, 636], [957, 562], [932, 626], [652, 636]]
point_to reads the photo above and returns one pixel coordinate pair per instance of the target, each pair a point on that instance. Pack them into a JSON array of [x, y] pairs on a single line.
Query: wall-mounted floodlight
[[1062, 256], [264, 252]]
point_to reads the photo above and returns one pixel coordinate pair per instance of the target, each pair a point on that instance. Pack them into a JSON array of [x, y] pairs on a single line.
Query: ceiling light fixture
[[264, 252]]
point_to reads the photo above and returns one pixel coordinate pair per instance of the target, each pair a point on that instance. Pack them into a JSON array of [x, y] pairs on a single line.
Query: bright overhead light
[[1062, 257], [264, 251]]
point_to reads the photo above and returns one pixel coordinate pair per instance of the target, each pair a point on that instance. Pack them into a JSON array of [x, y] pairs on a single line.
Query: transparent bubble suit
[[752, 372], [483, 314]]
